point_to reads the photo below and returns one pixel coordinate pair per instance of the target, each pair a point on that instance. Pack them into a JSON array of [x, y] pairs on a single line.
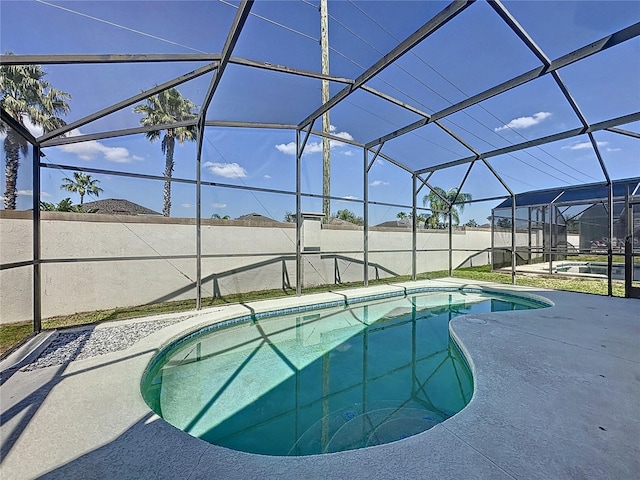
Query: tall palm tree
[[82, 184], [167, 107], [25, 95], [440, 209]]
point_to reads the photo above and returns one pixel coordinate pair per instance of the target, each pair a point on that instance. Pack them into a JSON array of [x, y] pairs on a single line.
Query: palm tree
[[25, 95], [165, 108], [82, 184], [440, 209], [65, 205], [471, 223]]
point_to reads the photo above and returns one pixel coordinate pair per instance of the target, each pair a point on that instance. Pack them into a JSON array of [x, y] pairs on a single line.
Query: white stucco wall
[[93, 262]]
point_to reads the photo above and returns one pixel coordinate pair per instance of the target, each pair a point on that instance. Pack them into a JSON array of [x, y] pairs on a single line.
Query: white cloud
[[267, 177], [378, 183], [524, 122], [310, 147], [29, 193], [93, 149], [34, 130], [349, 197], [613, 149], [348, 153], [228, 170], [186, 205], [219, 205], [345, 135], [287, 148], [584, 145], [315, 147]]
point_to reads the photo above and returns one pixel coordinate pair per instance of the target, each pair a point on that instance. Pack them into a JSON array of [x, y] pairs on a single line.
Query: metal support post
[[450, 244], [414, 229], [610, 249], [529, 236], [550, 242], [493, 242], [365, 246], [299, 149], [513, 240], [199, 218], [37, 282], [628, 246]]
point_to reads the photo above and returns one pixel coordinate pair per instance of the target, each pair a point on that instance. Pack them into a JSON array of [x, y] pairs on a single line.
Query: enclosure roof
[[577, 193], [534, 94]]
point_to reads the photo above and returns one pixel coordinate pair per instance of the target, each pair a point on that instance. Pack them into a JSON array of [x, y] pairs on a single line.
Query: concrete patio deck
[[557, 396]]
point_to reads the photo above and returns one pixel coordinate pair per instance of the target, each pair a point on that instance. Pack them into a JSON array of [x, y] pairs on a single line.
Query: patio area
[[555, 396]]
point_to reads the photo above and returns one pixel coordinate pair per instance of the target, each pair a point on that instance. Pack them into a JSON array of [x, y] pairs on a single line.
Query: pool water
[[321, 381], [595, 269]]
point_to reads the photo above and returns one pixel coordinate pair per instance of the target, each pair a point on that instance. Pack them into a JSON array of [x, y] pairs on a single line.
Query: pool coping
[[88, 419]]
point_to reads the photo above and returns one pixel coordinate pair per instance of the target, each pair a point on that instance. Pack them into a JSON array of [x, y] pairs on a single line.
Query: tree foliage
[[421, 217], [82, 184], [349, 216], [438, 201], [573, 226], [166, 108], [504, 223], [471, 223], [27, 97], [65, 205]]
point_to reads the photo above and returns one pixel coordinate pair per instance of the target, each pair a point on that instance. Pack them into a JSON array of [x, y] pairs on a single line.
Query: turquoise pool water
[[321, 381]]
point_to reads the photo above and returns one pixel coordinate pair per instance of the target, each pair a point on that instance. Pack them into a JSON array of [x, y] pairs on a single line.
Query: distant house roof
[[339, 221], [118, 206], [402, 223], [256, 217]]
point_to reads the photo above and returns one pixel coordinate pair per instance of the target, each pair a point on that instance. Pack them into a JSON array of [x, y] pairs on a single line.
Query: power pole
[[326, 124]]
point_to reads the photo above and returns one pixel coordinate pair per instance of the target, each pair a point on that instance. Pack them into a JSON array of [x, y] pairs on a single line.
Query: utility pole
[[326, 124], [326, 192]]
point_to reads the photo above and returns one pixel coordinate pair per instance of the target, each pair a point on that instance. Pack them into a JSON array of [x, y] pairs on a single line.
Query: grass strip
[[14, 333]]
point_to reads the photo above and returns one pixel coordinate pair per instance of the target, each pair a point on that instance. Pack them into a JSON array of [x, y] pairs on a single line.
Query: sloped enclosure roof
[[494, 97], [584, 193]]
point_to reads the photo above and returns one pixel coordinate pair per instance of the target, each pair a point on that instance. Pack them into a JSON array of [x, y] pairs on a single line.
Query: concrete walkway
[[557, 396]]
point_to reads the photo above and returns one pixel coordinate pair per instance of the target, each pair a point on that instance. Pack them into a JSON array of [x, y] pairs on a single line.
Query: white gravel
[[80, 344]]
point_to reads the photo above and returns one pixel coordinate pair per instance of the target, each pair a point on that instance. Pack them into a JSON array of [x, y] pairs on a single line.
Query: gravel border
[[86, 343]]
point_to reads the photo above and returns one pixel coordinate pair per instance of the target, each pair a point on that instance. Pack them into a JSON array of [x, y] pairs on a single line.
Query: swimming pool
[[321, 380], [595, 269]]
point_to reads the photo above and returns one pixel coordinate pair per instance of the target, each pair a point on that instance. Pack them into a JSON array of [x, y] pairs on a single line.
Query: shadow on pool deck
[[28, 406]]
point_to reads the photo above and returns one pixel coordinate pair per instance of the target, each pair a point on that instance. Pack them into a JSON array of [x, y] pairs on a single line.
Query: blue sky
[[473, 52]]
